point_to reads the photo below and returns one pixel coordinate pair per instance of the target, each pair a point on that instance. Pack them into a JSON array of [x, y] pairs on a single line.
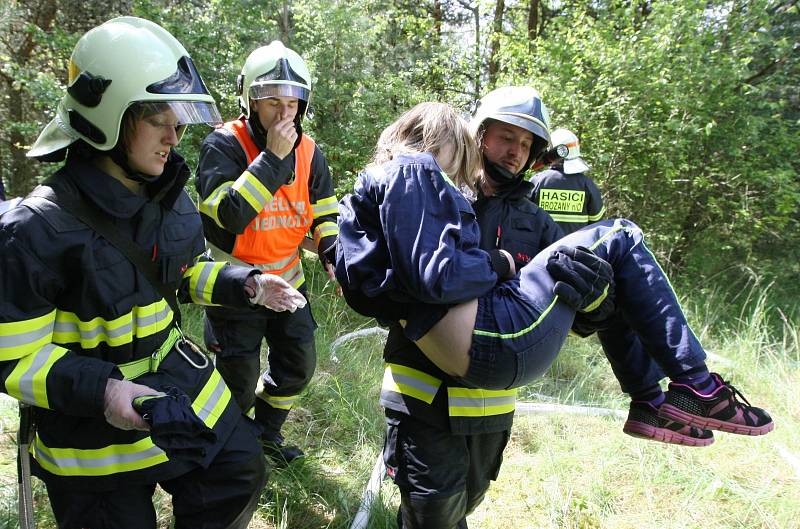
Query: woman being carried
[[408, 250]]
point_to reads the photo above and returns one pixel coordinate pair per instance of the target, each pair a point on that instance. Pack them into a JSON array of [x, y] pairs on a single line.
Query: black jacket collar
[[112, 197]]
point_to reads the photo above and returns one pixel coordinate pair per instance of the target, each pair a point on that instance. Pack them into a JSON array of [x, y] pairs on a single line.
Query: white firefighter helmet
[[573, 163], [274, 71], [124, 61], [516, 105]]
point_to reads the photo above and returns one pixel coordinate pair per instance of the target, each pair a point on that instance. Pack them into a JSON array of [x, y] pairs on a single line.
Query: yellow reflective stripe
[[203, 275], [325, 229], [281, 402], [293, 275], [466, 402], [21, 338], [140, 322], [614, 229], [212, 400], [596, 303], [149, 364], [210, 206], [447, 179], [599, 215], [519, 333], [209, 406], [252, 190], [112, 459], [409, 381], [564, 217], [276, 265], [28, 380], [325, 206]]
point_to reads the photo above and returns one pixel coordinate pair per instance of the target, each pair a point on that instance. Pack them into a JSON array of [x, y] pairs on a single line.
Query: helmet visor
[[263, 90], [178, 113], [185, 80]]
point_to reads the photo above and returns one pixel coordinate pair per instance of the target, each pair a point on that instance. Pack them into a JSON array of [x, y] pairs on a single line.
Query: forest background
[[689, 111]]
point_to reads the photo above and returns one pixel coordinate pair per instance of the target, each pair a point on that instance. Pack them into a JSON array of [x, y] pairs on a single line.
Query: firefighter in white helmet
[[86, 327], [565, 191], [264, 186]]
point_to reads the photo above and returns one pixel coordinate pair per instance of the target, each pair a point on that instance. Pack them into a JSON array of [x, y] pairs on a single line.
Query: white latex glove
[[274, 293], [118, 407]]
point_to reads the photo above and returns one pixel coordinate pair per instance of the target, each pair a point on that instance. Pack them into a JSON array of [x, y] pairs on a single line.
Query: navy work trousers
[[442, 477], [222, 496], [292, 360], [521, 325]]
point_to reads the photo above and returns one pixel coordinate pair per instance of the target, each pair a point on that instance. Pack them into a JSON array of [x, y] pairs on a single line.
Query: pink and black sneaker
[[643, 422], [719, 410]]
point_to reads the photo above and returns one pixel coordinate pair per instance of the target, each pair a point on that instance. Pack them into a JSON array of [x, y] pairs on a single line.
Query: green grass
[[560, 471]]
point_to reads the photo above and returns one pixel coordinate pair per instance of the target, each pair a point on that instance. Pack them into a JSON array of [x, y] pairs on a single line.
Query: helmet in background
[[274, 71], [573, 163]]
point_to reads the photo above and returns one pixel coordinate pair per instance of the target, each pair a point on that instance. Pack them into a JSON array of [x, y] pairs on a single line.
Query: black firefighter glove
[[584, 281], [174, 426]]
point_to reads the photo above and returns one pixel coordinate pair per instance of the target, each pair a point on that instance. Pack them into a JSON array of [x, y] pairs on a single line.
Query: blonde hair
[[430, 127]]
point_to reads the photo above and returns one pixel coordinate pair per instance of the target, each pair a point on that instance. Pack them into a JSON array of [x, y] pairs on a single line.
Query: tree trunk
[[497, 30], [20, 171], [20, 178], [284, 22], [533, 20]]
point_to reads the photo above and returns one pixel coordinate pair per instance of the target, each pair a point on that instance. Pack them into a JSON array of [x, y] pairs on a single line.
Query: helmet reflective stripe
[[274, 71], [121, 62]]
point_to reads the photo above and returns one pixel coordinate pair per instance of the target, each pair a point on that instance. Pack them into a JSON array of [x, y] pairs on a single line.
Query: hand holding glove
[[117, 404], [583, 280], [273, 293]]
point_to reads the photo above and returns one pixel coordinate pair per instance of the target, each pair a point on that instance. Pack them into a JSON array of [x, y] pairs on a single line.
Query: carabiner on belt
[[194, 348]]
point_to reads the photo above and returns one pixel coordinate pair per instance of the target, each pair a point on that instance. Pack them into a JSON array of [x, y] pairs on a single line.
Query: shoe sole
[[663, 435], [668, 411]]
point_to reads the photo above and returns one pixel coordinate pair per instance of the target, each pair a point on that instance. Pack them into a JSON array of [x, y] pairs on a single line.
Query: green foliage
[[687, 111]]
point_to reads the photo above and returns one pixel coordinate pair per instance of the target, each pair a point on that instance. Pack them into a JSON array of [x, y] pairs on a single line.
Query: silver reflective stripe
[[25, 338], [483, 402], [89, 334], [414, 383], [276, 265], [107, 461], [212, 401], [144, 321], [208, 267], [26, 380], [253, 190]]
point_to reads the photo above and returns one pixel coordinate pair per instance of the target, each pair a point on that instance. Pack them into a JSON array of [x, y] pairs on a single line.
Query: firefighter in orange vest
[[263, 186]]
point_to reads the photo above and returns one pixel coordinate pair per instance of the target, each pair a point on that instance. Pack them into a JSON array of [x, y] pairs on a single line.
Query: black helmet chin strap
[[499, 174]]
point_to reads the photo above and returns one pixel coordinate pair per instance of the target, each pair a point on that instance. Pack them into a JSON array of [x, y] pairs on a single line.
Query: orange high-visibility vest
[[271, 241]]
